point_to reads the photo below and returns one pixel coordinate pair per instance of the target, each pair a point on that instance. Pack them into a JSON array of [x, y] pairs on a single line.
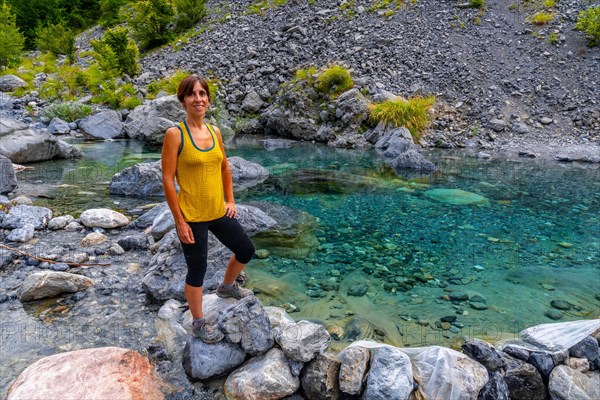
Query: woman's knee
[[195, 280], [245, 253]]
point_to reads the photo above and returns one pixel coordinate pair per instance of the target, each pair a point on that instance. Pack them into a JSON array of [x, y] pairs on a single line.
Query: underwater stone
[[560, 304], [478, 306], [456, 197], [553, 314], [358, 290]]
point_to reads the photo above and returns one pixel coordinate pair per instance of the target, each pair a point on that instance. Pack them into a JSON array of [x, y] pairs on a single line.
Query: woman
[[193, 152]]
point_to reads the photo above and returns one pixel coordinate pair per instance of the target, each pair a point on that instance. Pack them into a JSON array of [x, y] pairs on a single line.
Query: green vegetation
[[11, 38], [589, 22], [56, 39], [111, 12], [477, 4], [260, 6], [334, 81], [412, 114], [150, 22], [553, 38], [167, 84], [116, 53], [189, 13], [306, 74], [116, 96], [68, 111], [549, 3], [541, 18]]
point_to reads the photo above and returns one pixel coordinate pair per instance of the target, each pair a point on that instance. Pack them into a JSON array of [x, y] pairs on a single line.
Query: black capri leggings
[[229, 232]]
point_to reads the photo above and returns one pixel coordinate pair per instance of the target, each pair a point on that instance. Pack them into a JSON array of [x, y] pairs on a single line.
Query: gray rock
[[303, 340], [561, 304], [354, 365], [24, 145], [60, 222], [390, 375], [278, 316], [568, 384], [206, 361], [103, 218], [247, 323], [358, 290], [163, 222], [146, 219], [587, 348], [149, 122], [292, 115], [20, 215], [104, 125], [520, 128], [23, 234], [246, 173], [524, 381], [320, 378], [252, 103], [40, 285], [497, 125], [133, 242], [140, 180], [351, 108], [58, 126], [542, 362], [412, 160], [267, 376], [484, 353], [73, 226], [273, 144], [495, 388], [546, 120], [553, 314], [8, 179], [9, 83]]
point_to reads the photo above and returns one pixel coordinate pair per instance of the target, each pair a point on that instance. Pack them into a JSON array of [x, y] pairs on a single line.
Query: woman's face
[[197, 101]]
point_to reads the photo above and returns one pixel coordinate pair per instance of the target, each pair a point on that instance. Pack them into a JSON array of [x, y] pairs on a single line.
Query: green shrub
[[116, 96], [541, 18], [589, 22], [56, 39], [189, 13], [334, 81], [116, 53], [110, 12], [68, 111], [150, 22], [412, 114], [11, 38], [306, 74], [168, 84], [477, 3]]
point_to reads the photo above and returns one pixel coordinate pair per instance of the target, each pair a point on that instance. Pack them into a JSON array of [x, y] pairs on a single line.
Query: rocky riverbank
[[105, 281]]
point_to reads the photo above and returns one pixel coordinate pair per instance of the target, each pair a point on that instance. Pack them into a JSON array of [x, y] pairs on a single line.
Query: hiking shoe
[[236, 291], [206, 331]]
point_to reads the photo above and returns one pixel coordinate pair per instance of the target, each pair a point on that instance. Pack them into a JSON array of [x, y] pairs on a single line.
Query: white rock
[[44, 284], [103, 218]]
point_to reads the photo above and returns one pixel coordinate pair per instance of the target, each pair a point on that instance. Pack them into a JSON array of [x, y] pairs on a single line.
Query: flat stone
[[456, 197], [560, 304], [553, 314]]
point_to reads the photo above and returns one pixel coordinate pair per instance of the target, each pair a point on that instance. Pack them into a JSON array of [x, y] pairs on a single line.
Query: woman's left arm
[[230, 209]]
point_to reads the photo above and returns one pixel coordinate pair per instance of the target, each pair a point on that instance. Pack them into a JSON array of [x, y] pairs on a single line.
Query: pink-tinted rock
[[100, 373]]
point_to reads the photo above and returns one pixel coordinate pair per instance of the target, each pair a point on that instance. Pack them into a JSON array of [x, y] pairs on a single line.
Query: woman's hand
[[230, 210], [185, 232]]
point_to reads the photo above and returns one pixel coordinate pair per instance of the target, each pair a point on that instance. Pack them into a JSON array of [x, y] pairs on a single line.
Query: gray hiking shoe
[[236, 291], [206, 331]]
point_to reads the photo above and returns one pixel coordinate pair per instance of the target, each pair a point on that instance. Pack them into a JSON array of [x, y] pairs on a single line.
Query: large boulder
[[9, 83], [23, 234], [100, 373], [140, 180], [21, 215], [353, 369], [265, 377], [204, 361], [148, 122], [40, 285], [397, 147], [292, 115], [246, 173], [302, 341], [247, 323], [8, 179], [569, 384], [524, 381], [484, 353], [103, 218], [147, 219], [58, 126], [320, 378], [23, 145], [390, 375], [104, 125]]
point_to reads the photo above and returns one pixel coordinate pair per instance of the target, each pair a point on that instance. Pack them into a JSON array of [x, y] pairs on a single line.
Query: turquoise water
[[532, 236]]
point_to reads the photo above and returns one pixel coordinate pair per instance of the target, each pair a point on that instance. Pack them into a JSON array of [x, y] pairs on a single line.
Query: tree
[[116, 53], [110, 12], [150, 22], [56, 39], [189, 12], [11, 39]]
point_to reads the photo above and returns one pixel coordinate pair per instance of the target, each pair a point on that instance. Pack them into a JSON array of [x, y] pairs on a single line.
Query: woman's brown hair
[[186, 87]]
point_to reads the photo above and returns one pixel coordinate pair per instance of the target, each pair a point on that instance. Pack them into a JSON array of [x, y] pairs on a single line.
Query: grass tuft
[[68, 111], [334, 81], [541, 18], [413, 114], [589, 22]]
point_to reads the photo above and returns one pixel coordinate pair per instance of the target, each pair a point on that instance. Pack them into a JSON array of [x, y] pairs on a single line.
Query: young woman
[[193, 152]]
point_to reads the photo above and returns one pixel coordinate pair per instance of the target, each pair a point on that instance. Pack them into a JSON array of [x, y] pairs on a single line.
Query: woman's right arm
[[170, 150]]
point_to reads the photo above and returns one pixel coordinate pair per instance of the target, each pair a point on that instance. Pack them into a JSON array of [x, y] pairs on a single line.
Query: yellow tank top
[[201, 195]]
